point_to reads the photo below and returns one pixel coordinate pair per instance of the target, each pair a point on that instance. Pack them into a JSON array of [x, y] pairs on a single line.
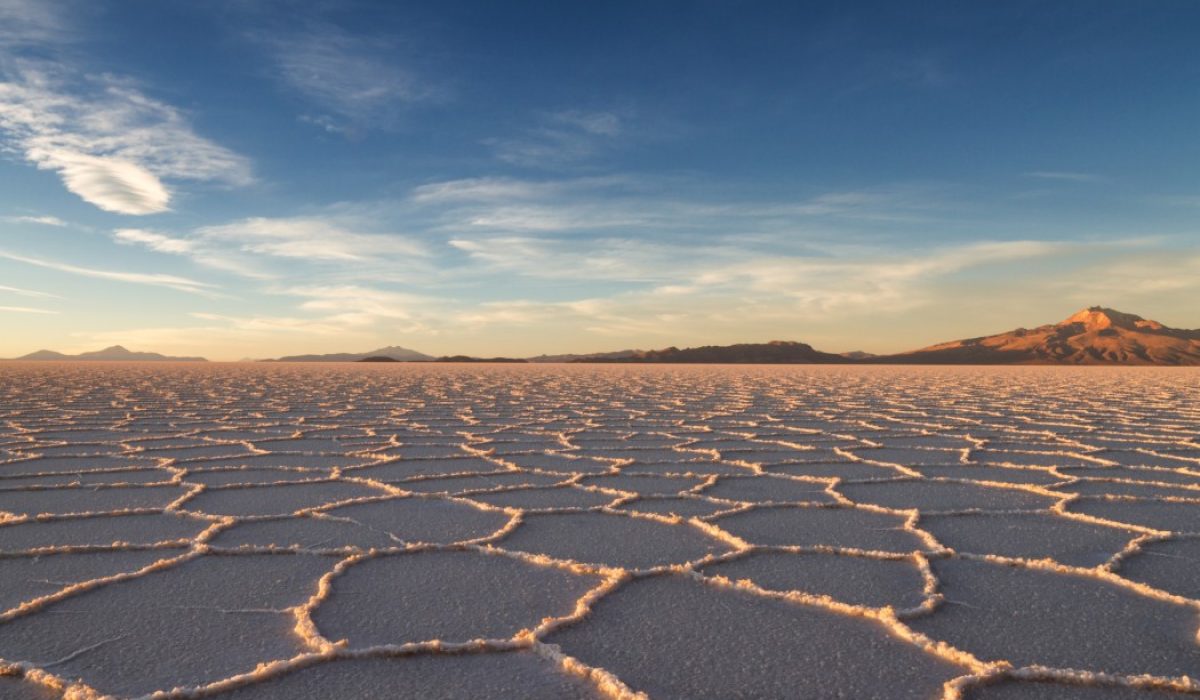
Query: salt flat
[[246, 532]]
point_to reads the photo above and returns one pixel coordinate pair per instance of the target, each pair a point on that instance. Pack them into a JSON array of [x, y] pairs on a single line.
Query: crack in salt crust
[[81, 448]]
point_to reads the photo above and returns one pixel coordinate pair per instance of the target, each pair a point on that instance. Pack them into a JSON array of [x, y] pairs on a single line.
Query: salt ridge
[[639, 421]]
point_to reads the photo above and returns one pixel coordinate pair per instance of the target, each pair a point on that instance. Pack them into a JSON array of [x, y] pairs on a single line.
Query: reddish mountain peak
[[1097, 318]]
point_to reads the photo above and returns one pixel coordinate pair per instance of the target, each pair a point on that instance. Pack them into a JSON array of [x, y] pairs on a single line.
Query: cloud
[[1063, 175], [114, 185], [27, 292], [25, 22], [182, 284], [42, 220], [154, 241], [110, 143], [310, 238], [26, 310], [352, 77], [560, 139]]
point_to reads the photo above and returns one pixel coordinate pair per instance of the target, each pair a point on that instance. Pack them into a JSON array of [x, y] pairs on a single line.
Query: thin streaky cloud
[[28, 292], [1064, 175], [182, 284], [26, 310], [42, 220]]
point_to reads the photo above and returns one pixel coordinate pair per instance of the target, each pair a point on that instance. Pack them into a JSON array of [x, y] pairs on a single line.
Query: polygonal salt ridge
[[872, 576], [1043, 683], [1046, 535], [381, 513], [1168, 562], [256, 476], [245, 501], [768, 489], [105, 531], [944, 495], [1063, 609], [841, 527], [646, 650], [432, 572], [1160, 476], [1160, 515], [561, 498], [1046, 477], [633, 484], [73, 464], [661, 541], [252, 617]]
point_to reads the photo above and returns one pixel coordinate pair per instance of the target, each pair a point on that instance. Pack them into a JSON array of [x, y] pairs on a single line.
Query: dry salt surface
[[254, 532]]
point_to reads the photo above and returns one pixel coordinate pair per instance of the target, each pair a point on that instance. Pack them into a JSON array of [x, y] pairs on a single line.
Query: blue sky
[[249, 179]]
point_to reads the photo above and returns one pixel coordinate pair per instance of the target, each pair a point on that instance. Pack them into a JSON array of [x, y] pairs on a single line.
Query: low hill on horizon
[[1093, 336], [774, 352], [116, 353], [394, 352]]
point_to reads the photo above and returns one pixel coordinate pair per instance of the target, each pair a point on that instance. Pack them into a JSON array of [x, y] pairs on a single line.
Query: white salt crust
[[537, 500]]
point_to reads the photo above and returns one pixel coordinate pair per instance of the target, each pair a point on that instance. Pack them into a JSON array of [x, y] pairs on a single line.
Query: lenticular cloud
[[112, 145]]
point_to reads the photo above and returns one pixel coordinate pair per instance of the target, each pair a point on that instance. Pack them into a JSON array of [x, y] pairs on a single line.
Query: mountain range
[[394, 352], [1093, 336], [115, 353]]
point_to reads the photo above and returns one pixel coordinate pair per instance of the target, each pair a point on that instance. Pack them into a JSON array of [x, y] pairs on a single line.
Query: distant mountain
[[467, 358], [857, 355], [115, 353], [775, 352], [1094, 336], [589, 357], [394, 352]]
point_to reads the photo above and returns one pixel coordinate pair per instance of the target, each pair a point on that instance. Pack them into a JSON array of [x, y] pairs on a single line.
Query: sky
[[255, 178]]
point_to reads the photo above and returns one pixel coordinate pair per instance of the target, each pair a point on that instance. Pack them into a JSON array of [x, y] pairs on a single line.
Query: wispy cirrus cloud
[[27, 292], [155, 279], [110, 143], [1064, 176], [26, 310], [309, 238], [30, 22], [559, 139], [41, 220], [356, 81]]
